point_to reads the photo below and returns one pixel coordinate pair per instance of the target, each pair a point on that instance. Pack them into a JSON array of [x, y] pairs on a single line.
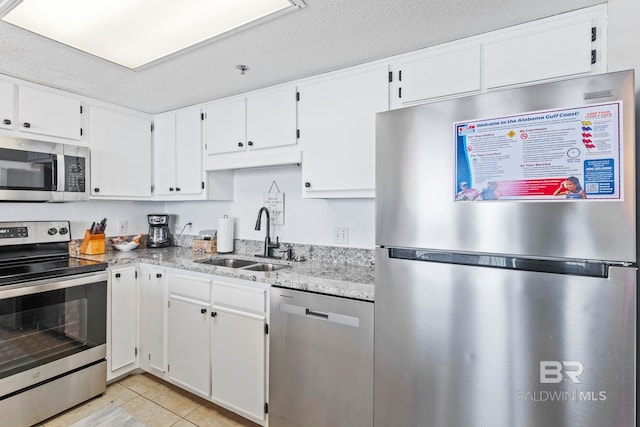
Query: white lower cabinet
[[122, 348], [153, 319], [188, 332], [206, 334], [238, 349]]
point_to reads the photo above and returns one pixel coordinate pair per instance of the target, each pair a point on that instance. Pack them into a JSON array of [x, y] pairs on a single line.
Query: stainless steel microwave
[[39, 171]]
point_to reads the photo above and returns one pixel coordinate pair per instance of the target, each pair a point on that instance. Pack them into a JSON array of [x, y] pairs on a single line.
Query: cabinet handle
[[96, 190], [27, 124], [240, 144], [177, 188], [307, 184], [170, 188], [158, 275], [203, 310], [250, 143], [117, 275], [7, 121], [214, 314]]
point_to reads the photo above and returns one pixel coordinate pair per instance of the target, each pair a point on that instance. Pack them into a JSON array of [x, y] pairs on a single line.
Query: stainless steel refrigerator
[[506, 259]]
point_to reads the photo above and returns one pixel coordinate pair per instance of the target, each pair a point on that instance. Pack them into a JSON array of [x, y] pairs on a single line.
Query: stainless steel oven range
[[53, 315]]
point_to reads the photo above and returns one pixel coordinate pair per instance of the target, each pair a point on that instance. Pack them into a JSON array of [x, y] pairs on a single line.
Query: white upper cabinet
[[539, 52], [271, 119], [177, 155], [225, 127], [434, 74], [336, 116], [120, 154], [7, 105], [258, 129], [48, 113]]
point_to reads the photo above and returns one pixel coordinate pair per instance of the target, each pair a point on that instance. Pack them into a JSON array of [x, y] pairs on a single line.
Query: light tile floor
[[155, 403]]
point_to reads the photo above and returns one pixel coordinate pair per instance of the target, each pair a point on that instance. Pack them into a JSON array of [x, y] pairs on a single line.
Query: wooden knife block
[[92, 244]]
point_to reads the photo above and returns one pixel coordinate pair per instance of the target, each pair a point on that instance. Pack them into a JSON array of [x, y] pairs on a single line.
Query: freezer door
[[416, 179], [468, 346]]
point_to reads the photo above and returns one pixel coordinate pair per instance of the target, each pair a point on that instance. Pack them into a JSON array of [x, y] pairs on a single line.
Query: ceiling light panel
[[137, 32]]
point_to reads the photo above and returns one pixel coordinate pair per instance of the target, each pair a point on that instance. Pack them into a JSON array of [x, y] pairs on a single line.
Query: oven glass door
[[27, 170], [41, 327]]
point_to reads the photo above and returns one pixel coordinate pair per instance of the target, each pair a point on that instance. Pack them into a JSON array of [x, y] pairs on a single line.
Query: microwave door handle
[[59, 171]]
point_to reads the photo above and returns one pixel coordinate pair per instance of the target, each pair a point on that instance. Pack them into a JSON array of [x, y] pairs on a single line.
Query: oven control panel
[[27, 232], [13, 232]]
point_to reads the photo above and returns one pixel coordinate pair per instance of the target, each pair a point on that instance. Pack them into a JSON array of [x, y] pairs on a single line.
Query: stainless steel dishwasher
[[321, 360]]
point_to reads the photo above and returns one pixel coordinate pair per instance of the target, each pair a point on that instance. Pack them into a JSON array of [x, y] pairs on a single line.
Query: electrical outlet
[[123, 226], [341, 235]]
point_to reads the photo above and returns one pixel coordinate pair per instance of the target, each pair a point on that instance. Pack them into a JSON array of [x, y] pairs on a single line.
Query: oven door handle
[[51, 284]]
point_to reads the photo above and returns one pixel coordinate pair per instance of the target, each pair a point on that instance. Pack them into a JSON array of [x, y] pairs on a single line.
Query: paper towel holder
[[225, 234]]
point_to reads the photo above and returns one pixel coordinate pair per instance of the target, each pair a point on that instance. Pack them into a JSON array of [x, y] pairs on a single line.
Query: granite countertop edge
[[332, 279]]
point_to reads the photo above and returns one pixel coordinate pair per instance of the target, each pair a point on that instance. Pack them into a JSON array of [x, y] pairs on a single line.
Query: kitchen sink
[[266, 267], [227, 262]]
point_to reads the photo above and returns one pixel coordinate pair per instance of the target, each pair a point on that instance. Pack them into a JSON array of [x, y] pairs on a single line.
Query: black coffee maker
[[158, 231]]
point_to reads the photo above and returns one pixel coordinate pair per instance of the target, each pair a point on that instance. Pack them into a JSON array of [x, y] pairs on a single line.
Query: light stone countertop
[[350, 281]]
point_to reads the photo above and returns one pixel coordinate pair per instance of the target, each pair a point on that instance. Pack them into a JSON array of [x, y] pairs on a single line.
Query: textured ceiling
[[325, 36]]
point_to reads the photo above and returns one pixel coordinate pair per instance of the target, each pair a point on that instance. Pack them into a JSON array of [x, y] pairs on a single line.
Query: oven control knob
[[63, 230], [52, 231]]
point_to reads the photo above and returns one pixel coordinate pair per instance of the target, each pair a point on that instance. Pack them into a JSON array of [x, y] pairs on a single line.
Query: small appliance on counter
[[158, 231]]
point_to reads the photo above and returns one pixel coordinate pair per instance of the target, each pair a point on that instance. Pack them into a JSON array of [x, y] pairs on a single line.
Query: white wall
[[82, 214], [624, 36], [308, 221]]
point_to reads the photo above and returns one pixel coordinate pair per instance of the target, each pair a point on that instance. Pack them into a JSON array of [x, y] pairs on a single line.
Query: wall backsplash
[[312, 253]]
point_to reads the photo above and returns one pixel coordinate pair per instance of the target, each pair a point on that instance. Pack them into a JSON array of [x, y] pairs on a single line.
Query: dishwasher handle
[[313, 313], [310, 313]]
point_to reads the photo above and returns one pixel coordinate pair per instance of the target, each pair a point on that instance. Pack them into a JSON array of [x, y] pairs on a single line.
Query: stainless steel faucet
[[268, 246]]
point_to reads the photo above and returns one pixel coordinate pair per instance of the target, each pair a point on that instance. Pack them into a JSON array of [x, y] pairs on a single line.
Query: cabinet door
[[189, 152], [437, 74], [539, 53], [7, 99], [164, 155], [336, 117], [224, 127], [153, 319], [238, 361], [271, 119], [123, 312], [188, 344], [120, 154], [48, 113]]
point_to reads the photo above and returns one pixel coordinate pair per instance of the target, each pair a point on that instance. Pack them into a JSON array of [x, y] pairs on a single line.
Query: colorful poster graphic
[[556, 155]]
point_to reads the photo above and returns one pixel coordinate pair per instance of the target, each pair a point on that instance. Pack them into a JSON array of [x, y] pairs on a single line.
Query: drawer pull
[[214, 314], [203, 310]]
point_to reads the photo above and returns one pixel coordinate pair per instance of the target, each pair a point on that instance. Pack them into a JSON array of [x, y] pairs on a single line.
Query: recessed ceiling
[[134, 33], [324, 36]]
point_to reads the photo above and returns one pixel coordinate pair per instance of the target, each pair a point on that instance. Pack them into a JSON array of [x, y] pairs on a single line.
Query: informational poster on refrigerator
[[557, 155]]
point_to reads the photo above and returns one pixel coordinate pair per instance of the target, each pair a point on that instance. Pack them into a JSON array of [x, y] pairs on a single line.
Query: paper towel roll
[[225, 235]]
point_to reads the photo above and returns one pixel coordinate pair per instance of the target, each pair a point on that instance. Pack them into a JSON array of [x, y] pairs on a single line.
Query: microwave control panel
[[75, 174]]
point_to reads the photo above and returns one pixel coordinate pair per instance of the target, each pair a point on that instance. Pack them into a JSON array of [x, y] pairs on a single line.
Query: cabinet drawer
[[197, 288], [242, 297]]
